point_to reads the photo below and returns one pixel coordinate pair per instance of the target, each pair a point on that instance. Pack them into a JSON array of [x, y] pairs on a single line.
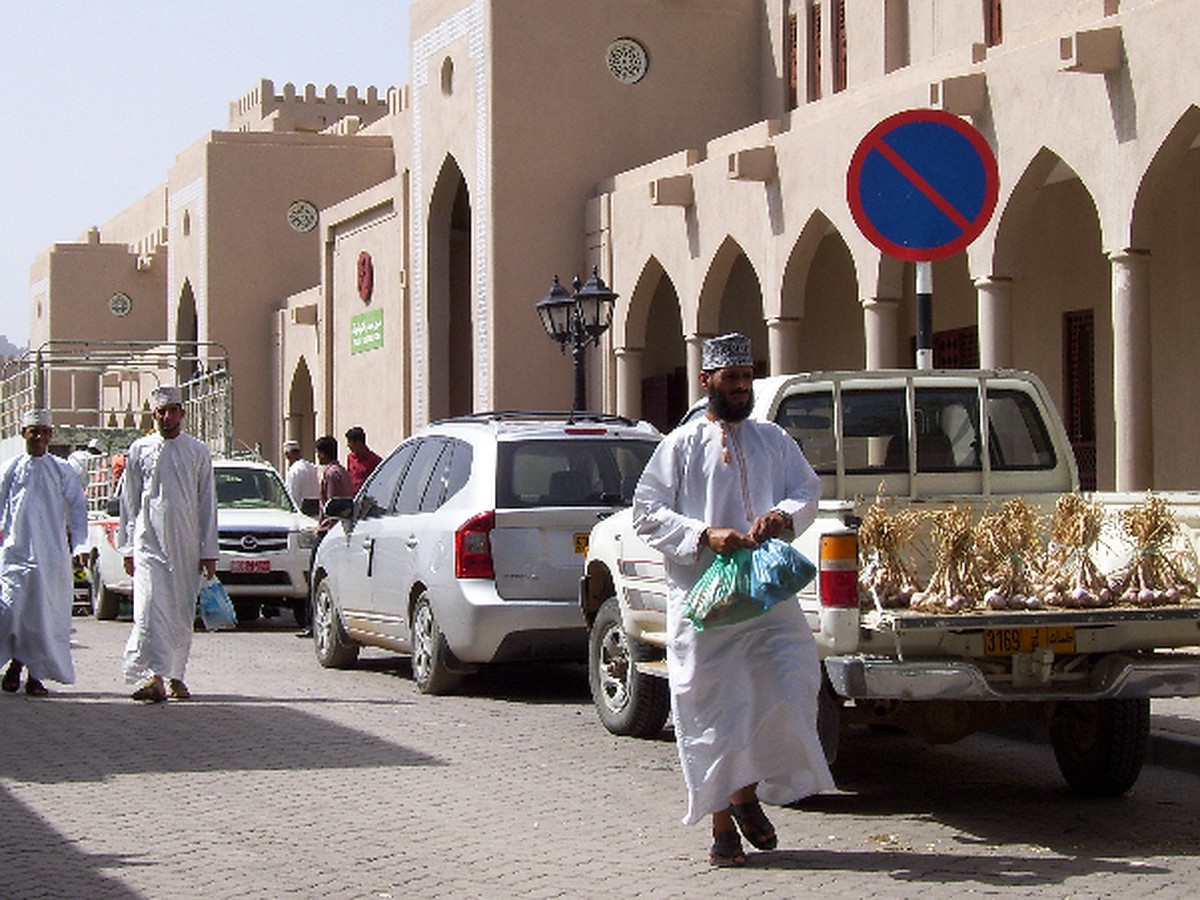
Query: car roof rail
[[569, 416]]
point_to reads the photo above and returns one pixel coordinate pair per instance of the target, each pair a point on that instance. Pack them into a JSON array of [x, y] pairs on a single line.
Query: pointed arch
[[301, 408], [452, 331]]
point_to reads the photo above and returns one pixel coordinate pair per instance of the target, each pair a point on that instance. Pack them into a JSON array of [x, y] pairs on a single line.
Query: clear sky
[[102, 95]]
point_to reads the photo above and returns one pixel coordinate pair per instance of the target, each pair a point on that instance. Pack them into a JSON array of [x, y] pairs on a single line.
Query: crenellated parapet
[[261, 109]]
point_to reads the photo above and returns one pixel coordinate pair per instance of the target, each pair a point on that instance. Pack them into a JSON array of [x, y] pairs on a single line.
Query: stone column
[[629, 381], [783, 346], [995, 321], [1131, 369], [881, 324], [695, 355]]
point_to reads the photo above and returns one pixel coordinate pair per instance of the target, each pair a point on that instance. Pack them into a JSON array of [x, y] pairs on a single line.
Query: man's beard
[[722, 408]]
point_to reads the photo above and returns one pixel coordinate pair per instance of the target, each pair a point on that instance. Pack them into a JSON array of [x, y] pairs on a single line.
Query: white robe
[[41, 503], [744, 696], [168, 524]]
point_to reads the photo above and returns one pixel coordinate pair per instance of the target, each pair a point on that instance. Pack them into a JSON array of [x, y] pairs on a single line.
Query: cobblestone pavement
[[281, 779]]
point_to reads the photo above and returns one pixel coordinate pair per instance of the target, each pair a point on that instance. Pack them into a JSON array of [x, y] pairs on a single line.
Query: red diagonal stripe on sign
[[922, 185]]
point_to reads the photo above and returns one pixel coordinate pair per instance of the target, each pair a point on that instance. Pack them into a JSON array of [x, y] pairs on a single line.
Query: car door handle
[[368, 545]]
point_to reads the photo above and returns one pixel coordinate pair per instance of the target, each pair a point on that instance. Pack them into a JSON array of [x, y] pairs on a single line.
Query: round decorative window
[[120, 304], [302, 216], [627, 60]]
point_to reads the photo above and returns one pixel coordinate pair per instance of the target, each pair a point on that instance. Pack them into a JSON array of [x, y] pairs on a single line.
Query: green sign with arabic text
[[366, 331]]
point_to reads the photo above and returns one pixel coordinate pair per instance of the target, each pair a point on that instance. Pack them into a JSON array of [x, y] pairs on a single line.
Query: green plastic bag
[[722, 595]]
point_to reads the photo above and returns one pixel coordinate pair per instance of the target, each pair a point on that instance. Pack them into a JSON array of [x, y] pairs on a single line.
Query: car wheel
[[247, 610], [429, 651], [106, 604], [1101, 745], [629, 702], [334, 649]]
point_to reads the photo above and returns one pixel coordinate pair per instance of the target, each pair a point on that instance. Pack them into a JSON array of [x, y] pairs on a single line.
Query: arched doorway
[[301, 410]]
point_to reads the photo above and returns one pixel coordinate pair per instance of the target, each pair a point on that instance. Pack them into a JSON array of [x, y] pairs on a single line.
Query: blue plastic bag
[[777, 571], [216, 609]]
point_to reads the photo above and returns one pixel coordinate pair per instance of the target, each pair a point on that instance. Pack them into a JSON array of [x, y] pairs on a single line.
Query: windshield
[[250, 488], [569, 472]]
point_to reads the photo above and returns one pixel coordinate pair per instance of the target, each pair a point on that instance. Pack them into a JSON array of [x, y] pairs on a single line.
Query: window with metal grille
[[993, 22], [954, 348], [793, 61], [1079, 391], [840, 61], [814, 50]]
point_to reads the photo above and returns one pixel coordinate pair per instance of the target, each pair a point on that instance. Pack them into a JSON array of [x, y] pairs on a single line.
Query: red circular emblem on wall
[[366, 276]]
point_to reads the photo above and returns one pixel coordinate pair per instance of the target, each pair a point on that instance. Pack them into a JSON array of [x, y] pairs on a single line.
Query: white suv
[[465, 546]]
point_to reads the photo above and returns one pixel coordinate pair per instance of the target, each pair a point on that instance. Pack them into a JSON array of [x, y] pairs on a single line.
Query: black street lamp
[[577, 319]]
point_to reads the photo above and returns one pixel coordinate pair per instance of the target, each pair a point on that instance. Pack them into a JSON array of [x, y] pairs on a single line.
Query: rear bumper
[[481, 628], [1116, 676]]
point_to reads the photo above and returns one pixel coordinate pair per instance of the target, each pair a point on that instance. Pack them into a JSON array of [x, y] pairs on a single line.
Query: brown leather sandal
[[727, 851], [150, 690], [754, 824]]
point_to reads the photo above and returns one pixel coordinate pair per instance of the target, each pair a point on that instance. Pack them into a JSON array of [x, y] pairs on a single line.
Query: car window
[[1018, 438], [874, 431], [808, 418], [568, 472], [947, 427], [380, 488], [250, 488], [417, 475], [450, 476]]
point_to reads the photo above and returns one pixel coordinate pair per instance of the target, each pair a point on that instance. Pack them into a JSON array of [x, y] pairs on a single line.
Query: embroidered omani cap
[[167, 395], [726, 350]]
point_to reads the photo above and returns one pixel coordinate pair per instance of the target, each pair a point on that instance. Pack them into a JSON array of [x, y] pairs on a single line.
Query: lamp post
[[577, 319]]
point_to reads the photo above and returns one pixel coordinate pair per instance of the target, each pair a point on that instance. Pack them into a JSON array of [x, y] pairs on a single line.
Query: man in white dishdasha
[[43, 515], [168, 530], [743, 696]]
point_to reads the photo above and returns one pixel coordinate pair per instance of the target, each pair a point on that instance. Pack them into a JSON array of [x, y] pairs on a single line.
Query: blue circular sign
[[922, 184]]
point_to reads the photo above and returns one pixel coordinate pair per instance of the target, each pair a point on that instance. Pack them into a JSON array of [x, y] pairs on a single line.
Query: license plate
[[581, 543], [250, 565], [1007, 641]]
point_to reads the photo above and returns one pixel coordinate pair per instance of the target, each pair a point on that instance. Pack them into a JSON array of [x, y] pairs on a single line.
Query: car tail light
[[839, 569], [473, 547]]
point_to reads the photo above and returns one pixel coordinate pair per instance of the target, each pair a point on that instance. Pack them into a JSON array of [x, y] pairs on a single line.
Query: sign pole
[[924, 314]]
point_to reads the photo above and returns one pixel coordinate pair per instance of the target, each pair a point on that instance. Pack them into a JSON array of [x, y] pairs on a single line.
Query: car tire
[[1101, 745], [106, 604], [430, 651], [629, 702], [247, 610], [334, 649]]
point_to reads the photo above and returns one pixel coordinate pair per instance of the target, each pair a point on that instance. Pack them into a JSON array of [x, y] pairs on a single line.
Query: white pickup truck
[[1084, 663]]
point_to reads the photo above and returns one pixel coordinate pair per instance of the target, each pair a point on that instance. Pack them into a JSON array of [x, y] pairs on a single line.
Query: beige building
[[696, 154]]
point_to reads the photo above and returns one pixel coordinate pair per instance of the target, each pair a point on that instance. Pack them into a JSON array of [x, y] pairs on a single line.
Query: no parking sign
[[922, 184]]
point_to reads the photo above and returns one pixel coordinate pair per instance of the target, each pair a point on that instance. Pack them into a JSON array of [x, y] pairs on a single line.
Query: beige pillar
[[629, 381], [881, 318], [995, 321], [695, 354], [783, 346], [1131, 369]]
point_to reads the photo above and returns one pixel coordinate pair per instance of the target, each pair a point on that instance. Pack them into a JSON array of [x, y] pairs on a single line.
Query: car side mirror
[[311, 507], [340, 508], [113, 506]]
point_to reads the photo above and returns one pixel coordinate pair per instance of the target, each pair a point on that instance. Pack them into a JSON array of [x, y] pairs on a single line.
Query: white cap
[[289, 446], [36, 418], [94, 446]]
